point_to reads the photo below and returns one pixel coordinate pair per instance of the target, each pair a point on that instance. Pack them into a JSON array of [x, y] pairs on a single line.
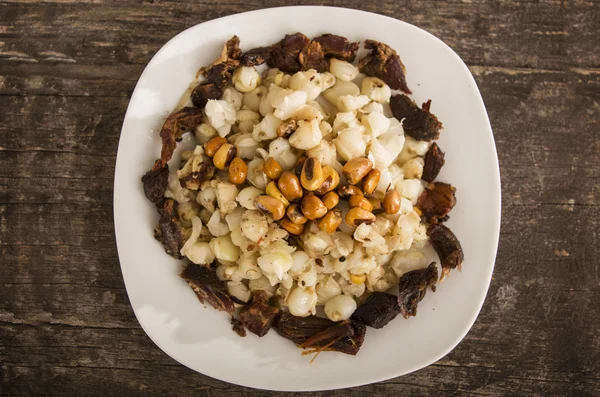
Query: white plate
[[200, 337]]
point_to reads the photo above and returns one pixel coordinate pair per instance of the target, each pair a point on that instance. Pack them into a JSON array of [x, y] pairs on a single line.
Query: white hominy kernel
[[302, 302], [246, 78], [376, 89], [340, 308], [343, 70]]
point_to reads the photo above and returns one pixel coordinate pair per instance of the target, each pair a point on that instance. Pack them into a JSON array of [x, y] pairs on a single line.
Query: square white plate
[[200, 337]]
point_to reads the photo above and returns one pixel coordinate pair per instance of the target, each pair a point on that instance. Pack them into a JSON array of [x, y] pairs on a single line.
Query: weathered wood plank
[[67, 69]]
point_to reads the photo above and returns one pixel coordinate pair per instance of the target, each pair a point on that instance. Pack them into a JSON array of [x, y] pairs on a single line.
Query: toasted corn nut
[[358, 279], [360, 201], [311, 176], [272, 168], [356, 216], [330, 222], [224, 156], [356, 169], [294, 212], [330, 200], [238, 171], [371, 181], [377, 207], [288, 128], [312, 207], [349, 190], [299, 165], [291, 227], [268, 205], [274, 192], [331, 180], [211, 147], [289, 185], [418, 211], [391, 201]]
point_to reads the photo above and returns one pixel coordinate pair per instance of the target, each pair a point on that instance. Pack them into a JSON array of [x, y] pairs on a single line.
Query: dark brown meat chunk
[[155, 182], [238, 327], [434, 161], [447, 246], [177, 124], [312, 57], [218, 74], [284, 54], [383, 62], [413, 287], [379, 309], [321, 333], [419, 124], [169, 230], [337, 47], [194, 180], [258, 316], [206, 91], [208, 287], [255, 56], [436, 201]]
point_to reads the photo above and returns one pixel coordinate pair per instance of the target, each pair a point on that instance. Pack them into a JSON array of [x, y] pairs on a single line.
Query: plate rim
[[495, 228]]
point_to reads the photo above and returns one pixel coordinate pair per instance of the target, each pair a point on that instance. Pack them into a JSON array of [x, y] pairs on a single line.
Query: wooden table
[[67, 70]]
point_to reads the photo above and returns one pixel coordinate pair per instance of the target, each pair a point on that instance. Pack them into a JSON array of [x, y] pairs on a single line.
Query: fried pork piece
[[312, 57], [413, 287], [155, 182], [208, 287], [169, 230], [436, 201], [218, 74], [177, 124], [258, 316], [434, 161], [285, 53], [419, 124], [339, 47], [255, 56], [447, 246], [383, 62], [321, 333], [238, 327], [379, 309]]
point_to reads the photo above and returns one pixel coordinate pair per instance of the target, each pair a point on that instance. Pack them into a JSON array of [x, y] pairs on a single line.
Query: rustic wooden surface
[[67, 69]]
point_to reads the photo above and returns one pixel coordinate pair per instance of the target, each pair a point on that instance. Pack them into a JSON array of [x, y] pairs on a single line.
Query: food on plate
[[303, 203]]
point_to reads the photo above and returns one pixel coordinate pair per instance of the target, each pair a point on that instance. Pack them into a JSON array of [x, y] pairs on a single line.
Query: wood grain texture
[[67, 69]]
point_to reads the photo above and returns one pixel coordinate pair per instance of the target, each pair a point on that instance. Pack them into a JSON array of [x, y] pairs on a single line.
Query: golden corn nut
[[311, 176], [330, 222], [331, 180], [356, 169], [357, 216], [272, 168], [371, 181], [291, 227], [349, 190], [376, 204], [299, 165], [391, 201], [312, 207], [360, 201], [274, 192], [289, 185], [268, 205], [238, 170], [294, 213], [224, 156], [330, 200], [211, 147]]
